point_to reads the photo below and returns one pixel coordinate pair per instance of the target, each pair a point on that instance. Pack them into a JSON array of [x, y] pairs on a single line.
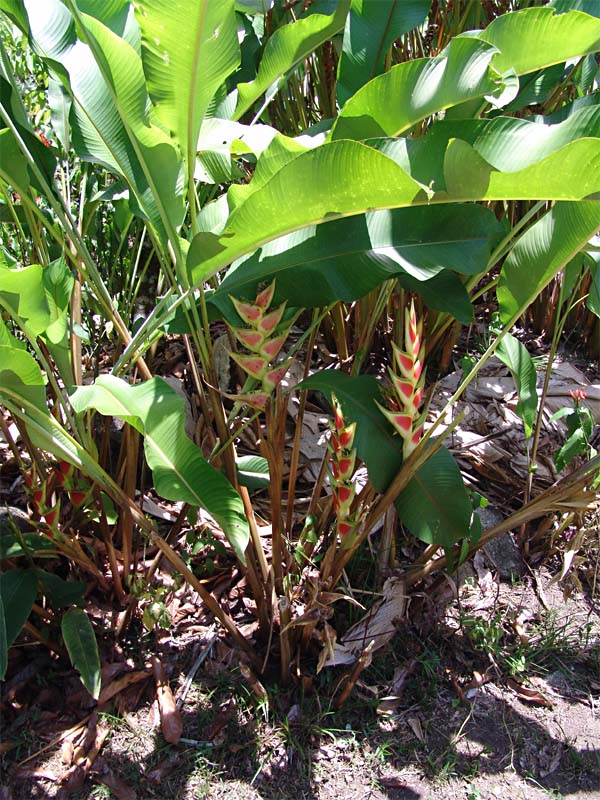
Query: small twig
[[212, 638]]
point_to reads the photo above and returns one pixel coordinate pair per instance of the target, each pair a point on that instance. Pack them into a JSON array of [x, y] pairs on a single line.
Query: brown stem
[[132, 440], [284, 639], [362, 663]]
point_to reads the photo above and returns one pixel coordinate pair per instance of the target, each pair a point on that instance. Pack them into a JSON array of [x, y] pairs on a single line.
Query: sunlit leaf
[[179, 469]]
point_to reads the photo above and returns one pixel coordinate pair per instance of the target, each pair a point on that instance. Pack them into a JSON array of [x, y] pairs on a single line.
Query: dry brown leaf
[[220, 721], [416, 728], [159, 773], [121, 683], [32, 772], [388, 706], [118, 787], [377, 626], [170, 719], [529, 695]]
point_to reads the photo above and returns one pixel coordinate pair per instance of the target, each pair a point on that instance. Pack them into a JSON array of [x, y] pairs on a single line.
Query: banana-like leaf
[[370, 30], [22, 296], [110, 126], [507, 144], [253, 471], [469, 68], [435, 506], [286, 48], [188, 51], [514, 355], [542, 251], [536, 87], [179, 469], [347, 258], [21, 379], [535, 38], [14, 9], [14, 168], [593, 298], [563, 6], [81, 644], [399, 99], [37, 298], [160, 186], [345, 178], [444, 292]]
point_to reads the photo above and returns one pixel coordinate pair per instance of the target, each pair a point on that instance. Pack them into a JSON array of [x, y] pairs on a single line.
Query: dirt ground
[[457, 726]]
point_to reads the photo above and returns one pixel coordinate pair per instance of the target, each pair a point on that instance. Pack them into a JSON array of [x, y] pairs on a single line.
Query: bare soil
[[458, 728]]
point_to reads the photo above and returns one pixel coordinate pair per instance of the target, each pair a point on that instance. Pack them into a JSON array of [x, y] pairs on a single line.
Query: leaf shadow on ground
[[237, 747]]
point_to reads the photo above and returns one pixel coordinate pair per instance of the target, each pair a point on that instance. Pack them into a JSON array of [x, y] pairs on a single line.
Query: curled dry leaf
[[170, 718], [113, 689], [378, 625], [529, 695]]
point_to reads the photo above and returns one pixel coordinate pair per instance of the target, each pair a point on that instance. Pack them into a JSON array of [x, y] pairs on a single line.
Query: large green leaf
[[188, 50], [346, 178], [58, 591], [37, 299], [467, 69], [18, 588], [81, 644], [444, 292], [179, 469], [469, 176], [514, 355], [375, 441], [396, 101], [370, 30], [435, 506], [21, 378], [593, 298], [286, 48], [159, 180], [544, 249], [505, 143], [109, 112], [13, 166], [22, 296], [562, 6], [253, 471], [345, 259], [535, 38]]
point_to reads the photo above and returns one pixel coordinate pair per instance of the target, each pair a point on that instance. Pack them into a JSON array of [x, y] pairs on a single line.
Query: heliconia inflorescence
[[408, 384], [343, 459], [264, 344]]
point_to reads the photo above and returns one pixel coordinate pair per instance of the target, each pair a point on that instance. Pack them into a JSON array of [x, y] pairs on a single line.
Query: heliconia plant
[[407, 418], [264, 339], [184, 130], [341, 470]]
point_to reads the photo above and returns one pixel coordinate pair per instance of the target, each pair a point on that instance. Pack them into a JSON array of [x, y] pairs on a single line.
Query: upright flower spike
[[343, 459], [407, 418], [263, 342]]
